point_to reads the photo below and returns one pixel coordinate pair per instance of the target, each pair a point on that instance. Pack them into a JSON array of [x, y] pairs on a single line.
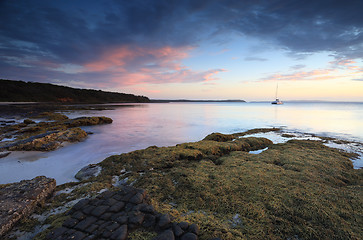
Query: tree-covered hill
[[20, 91]]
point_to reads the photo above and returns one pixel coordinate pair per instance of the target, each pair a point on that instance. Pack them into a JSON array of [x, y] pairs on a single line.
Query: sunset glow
[[201, 51]]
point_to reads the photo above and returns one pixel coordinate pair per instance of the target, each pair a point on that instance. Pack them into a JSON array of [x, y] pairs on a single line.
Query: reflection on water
[[167, 124]]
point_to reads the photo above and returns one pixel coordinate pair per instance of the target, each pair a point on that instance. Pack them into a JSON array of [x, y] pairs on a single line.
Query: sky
[[191, 49]]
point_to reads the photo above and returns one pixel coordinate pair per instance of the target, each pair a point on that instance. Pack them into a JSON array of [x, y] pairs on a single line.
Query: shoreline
[[213, 159]]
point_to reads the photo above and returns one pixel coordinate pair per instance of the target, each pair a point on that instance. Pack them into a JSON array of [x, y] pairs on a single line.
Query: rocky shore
[[51, 130], [211, 189], [18, 200]]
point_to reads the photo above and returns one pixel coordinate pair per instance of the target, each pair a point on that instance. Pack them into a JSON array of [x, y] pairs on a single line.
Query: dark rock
[[98, 211], [83, 225], [138, 207], [81, 204], [148, 209], [79, 215], [106, 216], [164, 221], [117, 207], [70, 222], [113, 226], [189, 236], [106, 195], [106, 234], [89, 171], [88, 209], [127, 197], [136, 218], [137, 198], [56, 233], [120, 233], [77, 235], [129, 207], [166, 235], [194, 229], [91, 228], [184, 225], [95, 202], [28, 121], [105, 224], [110, 202], [4, 154], [149, 221], [100, 222], [91, 237], [122, 219], [178, 231]]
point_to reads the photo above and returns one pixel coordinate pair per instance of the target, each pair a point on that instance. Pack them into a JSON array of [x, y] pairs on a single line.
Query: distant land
[[186, 100], [20, 91]]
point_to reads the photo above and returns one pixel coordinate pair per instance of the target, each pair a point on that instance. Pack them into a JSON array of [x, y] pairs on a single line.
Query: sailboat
[[277, 101]]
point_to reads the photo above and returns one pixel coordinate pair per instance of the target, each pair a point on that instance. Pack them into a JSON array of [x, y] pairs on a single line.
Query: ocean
[[137, 126]]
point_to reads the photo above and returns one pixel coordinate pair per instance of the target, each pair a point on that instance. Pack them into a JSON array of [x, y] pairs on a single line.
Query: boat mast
[[277, 86]]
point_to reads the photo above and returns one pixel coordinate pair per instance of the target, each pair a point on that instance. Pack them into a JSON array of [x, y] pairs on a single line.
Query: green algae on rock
[[48, 136], [300, 189]]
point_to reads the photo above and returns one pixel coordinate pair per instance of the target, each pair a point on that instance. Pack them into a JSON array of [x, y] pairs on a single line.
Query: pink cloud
[[344, 63], [128, 65], [338, 69], [303, 75]]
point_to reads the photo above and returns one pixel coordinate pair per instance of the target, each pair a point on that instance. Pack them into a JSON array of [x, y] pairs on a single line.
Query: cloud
[[116, 67], [338, 69], [298, 66], [256, 59], [40, 38], [303, 76]]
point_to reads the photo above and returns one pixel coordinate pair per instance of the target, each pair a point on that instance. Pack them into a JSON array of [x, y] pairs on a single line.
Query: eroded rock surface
[[18, 200], [112, 215]]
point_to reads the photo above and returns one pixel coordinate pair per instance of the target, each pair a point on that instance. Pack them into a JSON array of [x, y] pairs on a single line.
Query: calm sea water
[[166, 124]]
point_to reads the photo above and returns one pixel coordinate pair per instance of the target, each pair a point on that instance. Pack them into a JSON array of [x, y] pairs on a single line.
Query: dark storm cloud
[[78, 32]]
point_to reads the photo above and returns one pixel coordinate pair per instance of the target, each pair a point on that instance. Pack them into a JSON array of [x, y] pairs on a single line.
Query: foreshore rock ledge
[[18, 200], [114, 214]]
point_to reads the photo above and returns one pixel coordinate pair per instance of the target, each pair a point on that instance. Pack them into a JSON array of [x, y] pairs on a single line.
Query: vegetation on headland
[[296, 190], [20, 91]]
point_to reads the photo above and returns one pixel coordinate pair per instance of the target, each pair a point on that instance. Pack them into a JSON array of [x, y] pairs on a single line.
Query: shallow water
[[166, 124]]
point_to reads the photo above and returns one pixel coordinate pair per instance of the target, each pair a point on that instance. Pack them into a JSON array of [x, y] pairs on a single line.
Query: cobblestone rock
[[18, 200], [112, 215]]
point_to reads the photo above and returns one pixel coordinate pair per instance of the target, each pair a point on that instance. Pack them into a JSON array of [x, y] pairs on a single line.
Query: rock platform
[[112, 215], [18, 200]]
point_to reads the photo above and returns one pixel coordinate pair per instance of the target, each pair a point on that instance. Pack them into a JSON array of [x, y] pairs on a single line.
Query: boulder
[[91, 170]]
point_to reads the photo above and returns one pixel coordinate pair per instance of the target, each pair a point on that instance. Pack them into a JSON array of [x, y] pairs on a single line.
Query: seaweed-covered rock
[[48, 141], [52, 116], [88, 121], [28, 121], [18, 200], [219, 137]]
